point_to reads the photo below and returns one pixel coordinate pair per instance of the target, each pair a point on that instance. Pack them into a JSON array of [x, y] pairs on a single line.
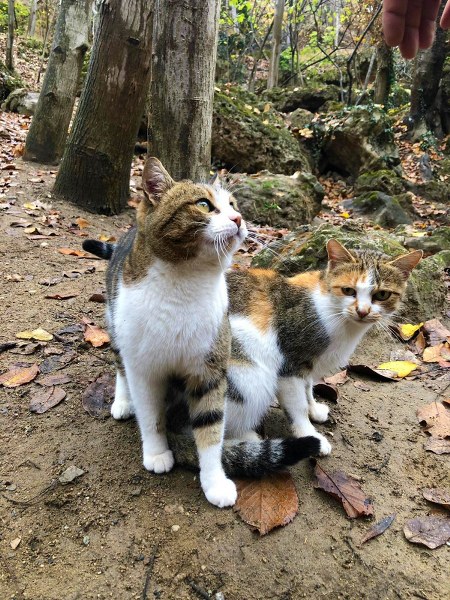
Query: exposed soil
[[110, 534]]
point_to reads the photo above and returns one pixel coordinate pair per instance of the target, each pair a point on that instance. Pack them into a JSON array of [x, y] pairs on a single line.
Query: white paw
[[221, 493], [318, 412], [159, 463], [250, 436], [325, 446], [121, 409]]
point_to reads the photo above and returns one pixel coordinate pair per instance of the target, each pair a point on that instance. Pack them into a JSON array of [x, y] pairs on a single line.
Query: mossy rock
[[436, 242], [305, 249], [300, 118], [310, 97], [434, 191], [8, 82], [278, 200], [246, 140], [379, 181], [21, 101], [387, 211]]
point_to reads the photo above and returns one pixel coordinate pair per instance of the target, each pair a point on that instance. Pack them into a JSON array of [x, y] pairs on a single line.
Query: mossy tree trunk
[[182, 90], [10, 37], [428, 67], [385, 74], [95, 169], [274, 66], [32, 18], [50, 124]]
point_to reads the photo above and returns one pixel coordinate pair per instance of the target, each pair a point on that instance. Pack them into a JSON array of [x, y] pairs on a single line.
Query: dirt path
[[119, 532]]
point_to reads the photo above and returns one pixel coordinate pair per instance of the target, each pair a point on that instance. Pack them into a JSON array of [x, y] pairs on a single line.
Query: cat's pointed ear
[[338, 254], [156, 181], [214, 181], [406, 262]]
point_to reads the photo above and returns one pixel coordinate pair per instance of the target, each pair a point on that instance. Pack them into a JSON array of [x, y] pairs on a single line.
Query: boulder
[[278, 200], [357, 140], [300, 118], [21, 101], [384, 181], [305, 249], [387, 211], [438, 240], [248, 140], [311, 97], [8, 82]]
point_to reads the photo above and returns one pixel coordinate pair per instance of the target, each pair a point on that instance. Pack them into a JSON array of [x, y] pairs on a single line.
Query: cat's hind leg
[[318, 411], [293, 399]]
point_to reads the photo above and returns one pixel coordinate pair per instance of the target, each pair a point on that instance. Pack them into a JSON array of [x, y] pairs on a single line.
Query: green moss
[[381, 181]]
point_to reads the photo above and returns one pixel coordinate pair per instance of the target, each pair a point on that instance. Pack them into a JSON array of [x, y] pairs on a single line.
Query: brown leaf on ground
[[268, 502], [45, 399], [378, 528], [54, 363], [437, 446], [328, 392], [360, 385], [430, 531], [96, 336], [436, 418], [61, 296], [19, 375], [437, 496], [82, 223], [337, 379], [98, 396], [377, 374], [435, 332], [51, 380], [77, 253], [420, 343], [345, 489], [97, 298]]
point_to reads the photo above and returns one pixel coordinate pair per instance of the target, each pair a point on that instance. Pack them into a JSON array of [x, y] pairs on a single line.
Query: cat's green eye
[[348, 291], [204, 205], [382, 295]]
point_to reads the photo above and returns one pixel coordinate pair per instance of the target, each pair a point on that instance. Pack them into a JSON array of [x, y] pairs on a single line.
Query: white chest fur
[[168, 321]]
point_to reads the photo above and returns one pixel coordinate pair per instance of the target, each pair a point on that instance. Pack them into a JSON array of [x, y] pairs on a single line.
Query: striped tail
[[100, 249], [249, 459]]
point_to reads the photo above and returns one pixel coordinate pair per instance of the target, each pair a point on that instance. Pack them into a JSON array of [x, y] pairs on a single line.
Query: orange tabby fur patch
[[308, 280]]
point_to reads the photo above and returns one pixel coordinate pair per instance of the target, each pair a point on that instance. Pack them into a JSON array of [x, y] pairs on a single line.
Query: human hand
[[411, 24]]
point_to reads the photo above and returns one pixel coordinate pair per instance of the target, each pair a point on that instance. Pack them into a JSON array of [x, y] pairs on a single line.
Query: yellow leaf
[[401, 368], [306, 133], [407, 330], [36, 334], [82, 223], [267, 107], [345, 215], [106, 238]]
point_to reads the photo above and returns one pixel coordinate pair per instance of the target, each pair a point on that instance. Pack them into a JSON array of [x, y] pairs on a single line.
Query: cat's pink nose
[[236, 218], [362, 312]]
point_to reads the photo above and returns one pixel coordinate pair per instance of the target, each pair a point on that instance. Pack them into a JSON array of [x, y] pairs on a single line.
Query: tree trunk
[[424, 112], [10, 38], [50, 124], [32, 18], [385, 74], [95, 169], [182, 88], [272, 79]]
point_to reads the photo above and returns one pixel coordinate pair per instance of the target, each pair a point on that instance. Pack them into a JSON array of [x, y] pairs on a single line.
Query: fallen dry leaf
[[436, 353], [437, 446], [378, 528], [97, 298], [82, 223], [420, 343], [436, 418], [360, 385], [329, 392], [61, 296], [37, 334], [54, 363], [96, 336], [431, 531], [45, 399], [346, 489], [18, 376], [51, 380], [377, 374], [337, 379], [401, 368], [437, 496], [268, 502], [98, 396], [78, 253], [435, 331], [14, 543], [407, 331]]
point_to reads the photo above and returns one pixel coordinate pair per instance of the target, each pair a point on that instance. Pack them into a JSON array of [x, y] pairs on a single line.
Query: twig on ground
[[151, 562]]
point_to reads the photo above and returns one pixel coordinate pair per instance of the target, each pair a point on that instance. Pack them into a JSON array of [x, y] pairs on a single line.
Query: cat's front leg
[[293, 398], [206, 408], [148, 401], [122, 407], [318, 411]]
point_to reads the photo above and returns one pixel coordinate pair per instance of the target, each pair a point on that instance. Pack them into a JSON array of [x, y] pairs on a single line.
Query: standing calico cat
[[167, 315], [288, 332]]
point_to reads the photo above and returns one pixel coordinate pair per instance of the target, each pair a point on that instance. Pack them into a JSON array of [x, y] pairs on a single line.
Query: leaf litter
[[46, 398], [437, 496], [378, 529], [19, 376], [431, 531], [98, 396], [436, 418]]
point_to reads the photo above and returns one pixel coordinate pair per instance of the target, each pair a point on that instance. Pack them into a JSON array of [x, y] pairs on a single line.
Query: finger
[[445, 19], [410, 43], [394, 17]]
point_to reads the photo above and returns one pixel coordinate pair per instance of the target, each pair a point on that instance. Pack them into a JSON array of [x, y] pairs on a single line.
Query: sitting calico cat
[[167, 316], [288, 332]]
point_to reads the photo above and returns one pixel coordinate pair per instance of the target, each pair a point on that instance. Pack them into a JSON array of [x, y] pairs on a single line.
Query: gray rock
[[385, 181], [278, 200], [387, 211], [311, 97], [70, 474], [300, 118], [436, 242], [21, 101]]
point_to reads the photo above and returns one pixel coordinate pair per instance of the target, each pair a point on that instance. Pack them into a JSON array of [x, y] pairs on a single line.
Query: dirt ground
[[110, 533]]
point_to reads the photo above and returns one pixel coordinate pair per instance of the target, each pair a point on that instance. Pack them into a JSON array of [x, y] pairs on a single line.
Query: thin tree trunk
[[385, 74], [95, 169], [32, 18], [274, 66], [10, 38], [429, 64], [50, 124], [182, 88]]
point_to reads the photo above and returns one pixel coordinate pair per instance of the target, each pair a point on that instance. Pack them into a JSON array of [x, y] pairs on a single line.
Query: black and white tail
[[100, 249], [249, 459]]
